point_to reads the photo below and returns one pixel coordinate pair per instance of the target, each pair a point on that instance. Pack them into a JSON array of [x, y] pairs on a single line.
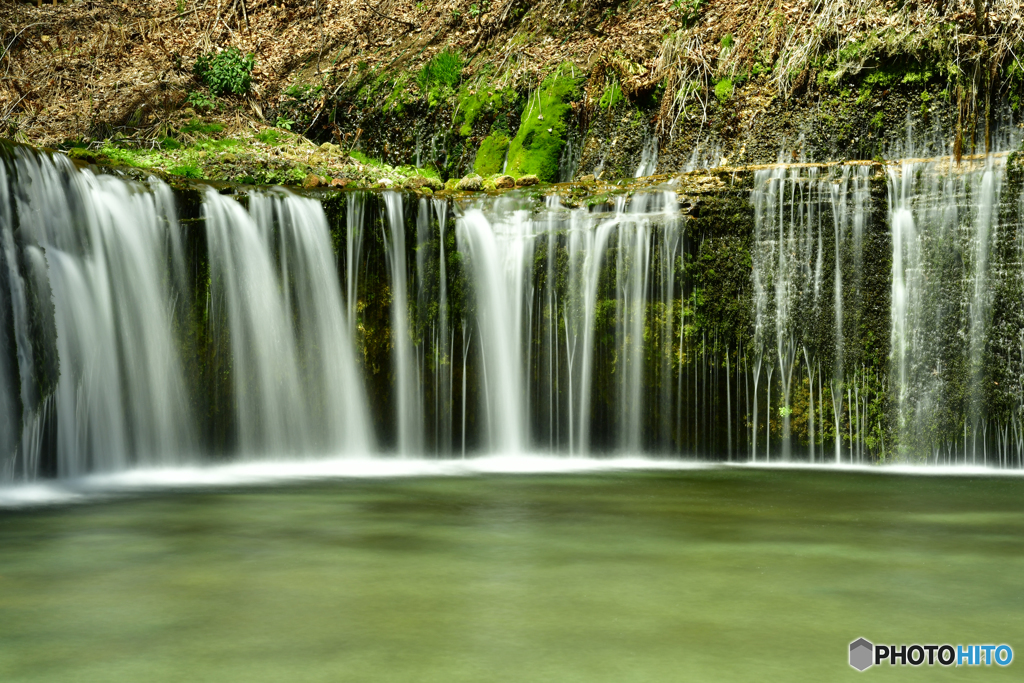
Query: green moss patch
[[723, 90], [538, 144], [473, 101], [491, 155]]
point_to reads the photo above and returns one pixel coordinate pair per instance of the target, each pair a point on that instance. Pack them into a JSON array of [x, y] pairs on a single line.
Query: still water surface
[[713, 574]]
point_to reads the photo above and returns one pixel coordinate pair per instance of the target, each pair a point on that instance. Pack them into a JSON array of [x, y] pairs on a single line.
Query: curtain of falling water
[[101, 250], [585, 333], [501, 254], [407, 385], [946, 270]]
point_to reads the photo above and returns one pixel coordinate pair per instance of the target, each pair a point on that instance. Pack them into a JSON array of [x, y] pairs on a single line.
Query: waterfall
[[444, 350], [632, 272], [648, 157], [295, 386], [501, 257], [793, 323], [99, 250], [407, 382], [353, 252], [945, 235], [780, 315]]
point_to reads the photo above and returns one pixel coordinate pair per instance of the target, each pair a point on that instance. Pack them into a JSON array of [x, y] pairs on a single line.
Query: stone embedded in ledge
[[471, 183]]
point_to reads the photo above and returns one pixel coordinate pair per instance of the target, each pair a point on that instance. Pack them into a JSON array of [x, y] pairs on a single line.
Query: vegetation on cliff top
[[86, 71]]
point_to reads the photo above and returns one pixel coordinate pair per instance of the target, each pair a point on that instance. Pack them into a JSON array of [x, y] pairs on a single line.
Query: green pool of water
[[706, 575]]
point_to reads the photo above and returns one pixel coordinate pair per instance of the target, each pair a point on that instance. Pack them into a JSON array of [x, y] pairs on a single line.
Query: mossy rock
[[527, 181], [471, 183], [491, 156], [537, 146], [423, 182], [504, 182]]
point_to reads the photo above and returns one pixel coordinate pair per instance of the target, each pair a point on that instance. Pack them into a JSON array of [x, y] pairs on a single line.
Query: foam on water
[[99, 487]]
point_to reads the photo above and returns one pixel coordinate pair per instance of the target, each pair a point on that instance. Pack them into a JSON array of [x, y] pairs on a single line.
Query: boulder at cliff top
[[471, 183]]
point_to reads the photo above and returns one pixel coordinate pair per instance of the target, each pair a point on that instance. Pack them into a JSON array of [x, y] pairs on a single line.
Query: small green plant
[[228, 71], [611, 96], [201, 100], [284, 122], [455, 15], [180, 5], [723, 90], [474, 11], [727, 41], [268, 136], [186, 171], [443, 71], [420, 7], [690, 10], [169, 143], [1014, 78]]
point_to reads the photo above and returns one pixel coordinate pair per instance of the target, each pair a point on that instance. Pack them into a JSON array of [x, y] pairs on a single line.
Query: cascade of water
[[15, 378], [944, 227], [407, 384], [839, 220], [985, 224], [332, 389], [787, 277], [671, 247], [648, 158], [354, 212], [501, 256], [583, 330], [551, 342], [445, 349], [99, 246], [632, 270], [272, 275], [425, 293], [246, 288], [593, 242]]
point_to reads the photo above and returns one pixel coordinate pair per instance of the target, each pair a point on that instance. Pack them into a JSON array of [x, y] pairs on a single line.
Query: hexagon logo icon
[[861, 654]]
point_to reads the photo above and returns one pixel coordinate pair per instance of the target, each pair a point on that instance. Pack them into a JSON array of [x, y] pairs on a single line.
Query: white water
[[501, 256], [580, 329], [648, 158], [797, 210], [100, 248], [945, 231], [408, 395]]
